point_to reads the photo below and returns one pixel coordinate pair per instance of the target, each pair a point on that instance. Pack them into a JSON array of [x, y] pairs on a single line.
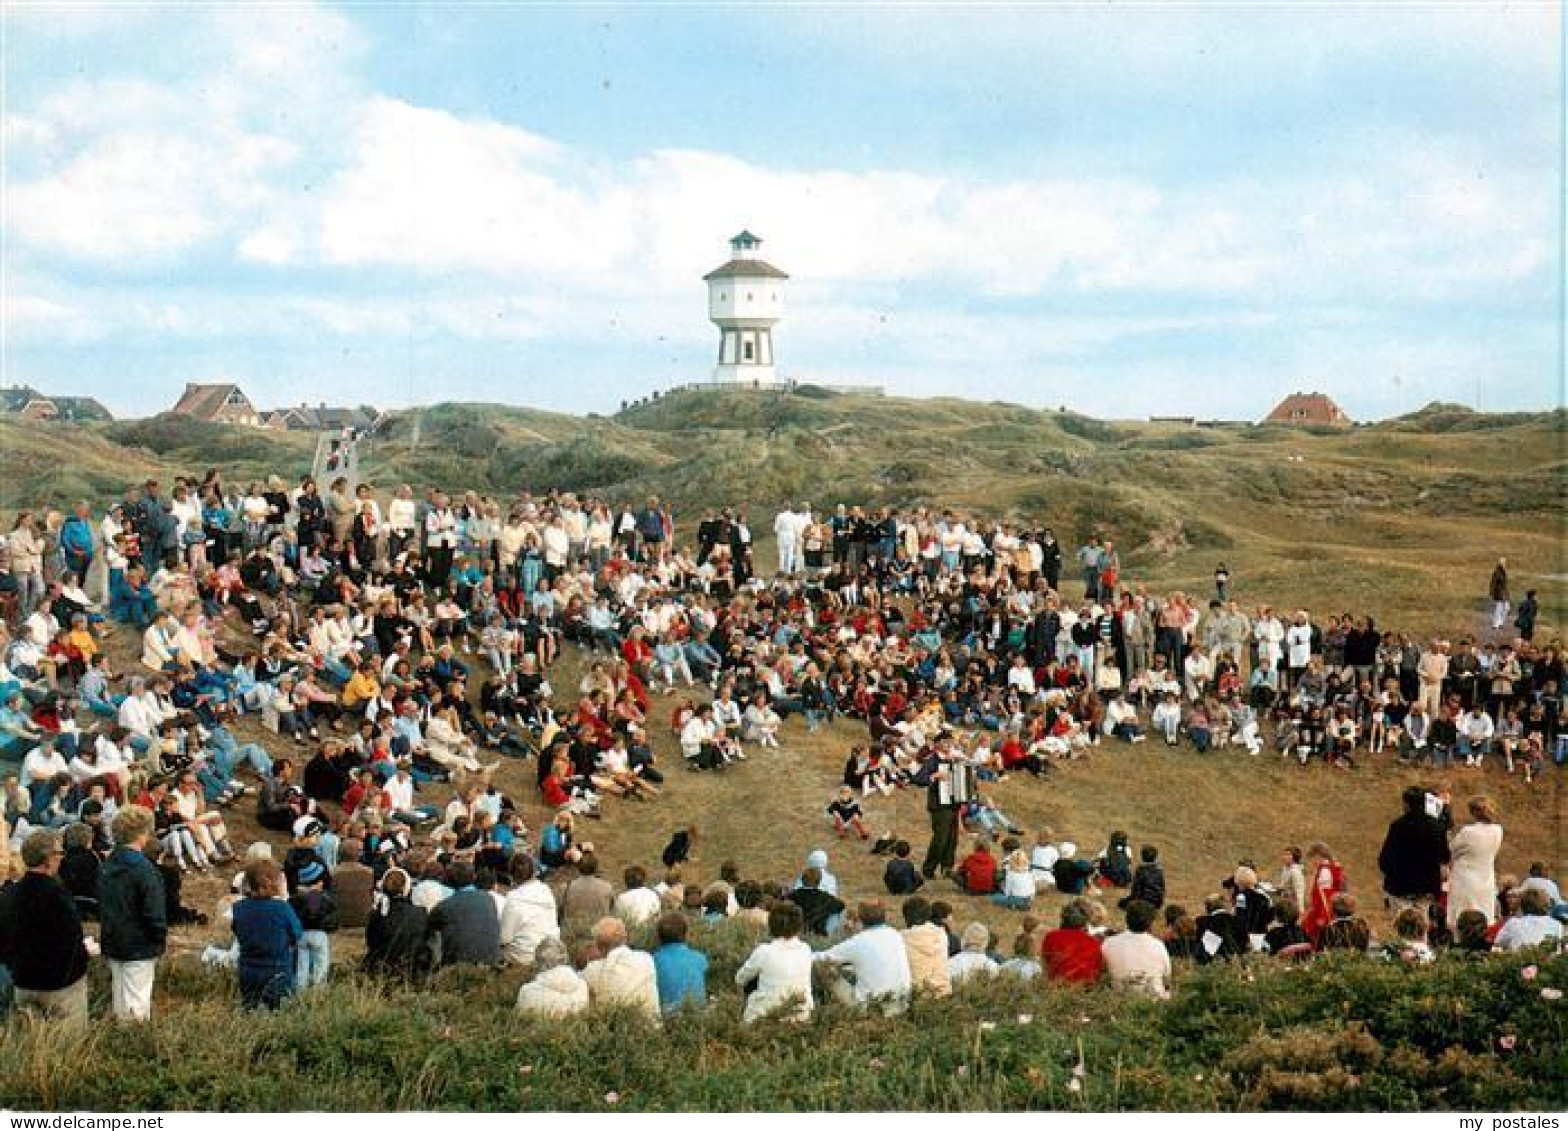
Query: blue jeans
[[314, 959], [228, 753], [1014, 902], [104, 708]]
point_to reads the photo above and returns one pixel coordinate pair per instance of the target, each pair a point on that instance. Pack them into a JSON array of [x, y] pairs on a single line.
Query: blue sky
[[1130, 210]]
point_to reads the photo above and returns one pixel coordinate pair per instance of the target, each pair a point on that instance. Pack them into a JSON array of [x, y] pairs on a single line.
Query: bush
[[1344, 1033]]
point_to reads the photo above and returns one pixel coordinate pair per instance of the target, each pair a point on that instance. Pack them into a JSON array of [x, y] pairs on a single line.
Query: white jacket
[[559, 992], [528, 917], [782, 968], [625, 977]]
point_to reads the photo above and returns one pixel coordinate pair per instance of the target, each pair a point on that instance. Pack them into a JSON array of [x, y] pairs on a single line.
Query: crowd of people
[[360, 673]]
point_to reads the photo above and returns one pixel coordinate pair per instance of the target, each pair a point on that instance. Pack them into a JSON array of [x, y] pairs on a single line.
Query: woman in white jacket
[[1472, 869], [780, 967], [556, 990]]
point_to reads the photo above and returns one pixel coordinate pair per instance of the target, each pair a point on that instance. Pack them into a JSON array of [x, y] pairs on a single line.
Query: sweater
[[41, 934], [468, 927], [395, 939], [267, 931]]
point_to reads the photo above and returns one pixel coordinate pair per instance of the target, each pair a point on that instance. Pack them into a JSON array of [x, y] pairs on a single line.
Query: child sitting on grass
[[901, 877], [846, 814], [1017, 883]]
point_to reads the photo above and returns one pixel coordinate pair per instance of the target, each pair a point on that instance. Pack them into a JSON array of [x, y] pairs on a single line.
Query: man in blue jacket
[[133, 914], [680, 970]]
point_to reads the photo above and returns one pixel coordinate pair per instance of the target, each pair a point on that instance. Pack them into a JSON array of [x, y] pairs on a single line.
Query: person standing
[[133, 911], [1529, 610], [1413, 855], [1472, 872], [1498, 591], [1326, 880], [41, 935], [937, 776]]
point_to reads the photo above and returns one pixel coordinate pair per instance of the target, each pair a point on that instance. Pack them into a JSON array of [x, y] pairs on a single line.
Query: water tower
[[745, 299]]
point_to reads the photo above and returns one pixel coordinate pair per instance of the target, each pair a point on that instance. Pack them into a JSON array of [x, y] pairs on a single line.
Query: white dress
[[1472, 871]]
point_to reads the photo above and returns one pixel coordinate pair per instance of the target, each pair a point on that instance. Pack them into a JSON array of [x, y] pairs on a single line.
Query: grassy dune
[[1402, 520]]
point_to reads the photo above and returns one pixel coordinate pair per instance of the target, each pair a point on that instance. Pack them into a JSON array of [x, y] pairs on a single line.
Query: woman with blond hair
[[1472, 869]]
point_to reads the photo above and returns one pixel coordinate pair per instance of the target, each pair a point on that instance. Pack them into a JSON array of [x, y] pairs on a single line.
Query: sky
[[1128, 209]]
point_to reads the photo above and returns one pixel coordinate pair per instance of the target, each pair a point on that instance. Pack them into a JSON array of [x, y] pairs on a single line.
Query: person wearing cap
[[268, 931], [318, 918], [304, 851], [41, 939]]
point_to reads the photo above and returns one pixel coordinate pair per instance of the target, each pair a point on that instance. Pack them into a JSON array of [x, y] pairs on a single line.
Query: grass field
[[1401, 520]]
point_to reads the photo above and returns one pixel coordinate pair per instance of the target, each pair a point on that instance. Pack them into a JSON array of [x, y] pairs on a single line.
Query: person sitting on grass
[[976, 873], [556, 990], [972, 961], [268, 933], [1017, 892], [847, 815], [1135, 959], [1070, 953], [1285, 938], [776, 977], [1346, 930], [1166, 718], [1148, 881], [901, 877]]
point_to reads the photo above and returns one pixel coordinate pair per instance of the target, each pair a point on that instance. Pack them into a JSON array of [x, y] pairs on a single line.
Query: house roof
[[1308, 408], [81, 408], [15, 400], [745, 269], [203, 401]]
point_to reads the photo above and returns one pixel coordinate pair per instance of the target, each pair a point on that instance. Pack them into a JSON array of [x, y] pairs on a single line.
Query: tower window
[[748, 351]]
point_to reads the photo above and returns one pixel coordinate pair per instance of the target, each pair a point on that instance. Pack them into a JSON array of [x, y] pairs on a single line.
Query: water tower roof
[[745, 269]]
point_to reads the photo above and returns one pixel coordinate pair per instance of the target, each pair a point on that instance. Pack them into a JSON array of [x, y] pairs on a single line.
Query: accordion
[[959, 786]]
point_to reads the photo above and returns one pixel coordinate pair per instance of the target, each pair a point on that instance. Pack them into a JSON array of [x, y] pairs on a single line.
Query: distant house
[[29, 404], [323, 418], [217, 404], [1307, 408]]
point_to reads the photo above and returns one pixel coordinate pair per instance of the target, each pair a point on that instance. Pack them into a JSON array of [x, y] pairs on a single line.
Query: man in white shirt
[[623, 976], [876, 958], [639, 903], [785, 527], [1020, 678], [1532, 926], [1475, 735], [1135, 959], [1298, 647]]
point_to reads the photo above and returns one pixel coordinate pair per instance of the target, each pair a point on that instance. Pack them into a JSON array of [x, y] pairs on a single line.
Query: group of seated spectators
[[353, 661]]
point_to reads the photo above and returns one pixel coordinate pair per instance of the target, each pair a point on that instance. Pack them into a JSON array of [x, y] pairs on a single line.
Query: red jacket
[[977, 872], [1072, 955]]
